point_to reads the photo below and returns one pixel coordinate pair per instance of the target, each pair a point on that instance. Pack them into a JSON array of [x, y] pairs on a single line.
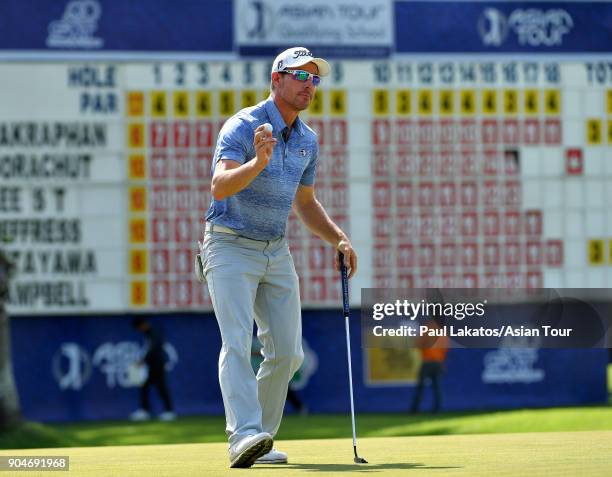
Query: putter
[[345, 306]]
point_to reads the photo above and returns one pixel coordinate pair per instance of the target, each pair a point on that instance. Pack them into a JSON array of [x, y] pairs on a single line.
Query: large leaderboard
[[445, 173]]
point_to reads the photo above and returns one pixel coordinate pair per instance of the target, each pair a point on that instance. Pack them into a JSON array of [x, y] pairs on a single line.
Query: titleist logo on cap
[[298, 53], [299, 56]]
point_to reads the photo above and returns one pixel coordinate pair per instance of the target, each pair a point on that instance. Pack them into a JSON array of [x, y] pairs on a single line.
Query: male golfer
[[258, 176]]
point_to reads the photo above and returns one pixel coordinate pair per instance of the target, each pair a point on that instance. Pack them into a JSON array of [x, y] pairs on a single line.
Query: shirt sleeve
[[232, 141], [308, 177]]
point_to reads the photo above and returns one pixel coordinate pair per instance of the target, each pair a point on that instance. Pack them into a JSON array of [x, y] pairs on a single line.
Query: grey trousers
[[254, 280]]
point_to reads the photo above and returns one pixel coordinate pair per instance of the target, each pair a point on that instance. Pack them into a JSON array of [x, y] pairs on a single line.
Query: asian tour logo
[[493, 27], [73, 365], [257, 20], [514, 362], [115, 361], [533, 26], [77, 26]]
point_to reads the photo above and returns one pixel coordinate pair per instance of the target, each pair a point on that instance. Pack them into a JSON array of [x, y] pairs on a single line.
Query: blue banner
[[503, 27], [357, 28], [108, 26], [78, 368]]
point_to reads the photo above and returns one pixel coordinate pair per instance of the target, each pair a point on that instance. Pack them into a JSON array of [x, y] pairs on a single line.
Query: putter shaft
[[346, 310]]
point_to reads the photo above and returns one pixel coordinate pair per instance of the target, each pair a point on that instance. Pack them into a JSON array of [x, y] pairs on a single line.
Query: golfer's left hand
[[350, 257]]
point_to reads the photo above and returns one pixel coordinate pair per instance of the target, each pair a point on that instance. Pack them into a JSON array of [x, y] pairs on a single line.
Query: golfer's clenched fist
[[264, 145]]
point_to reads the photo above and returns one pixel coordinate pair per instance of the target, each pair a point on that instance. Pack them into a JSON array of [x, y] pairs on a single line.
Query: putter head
[[360, 460]]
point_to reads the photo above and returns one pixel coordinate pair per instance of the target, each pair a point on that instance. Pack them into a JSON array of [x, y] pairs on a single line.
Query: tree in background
[[10, 415]]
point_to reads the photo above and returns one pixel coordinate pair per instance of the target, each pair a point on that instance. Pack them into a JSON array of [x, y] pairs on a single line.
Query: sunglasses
[[301, 75]]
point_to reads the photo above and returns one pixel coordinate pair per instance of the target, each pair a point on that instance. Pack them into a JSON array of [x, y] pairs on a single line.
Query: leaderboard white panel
[[62, 205], [447, 173]]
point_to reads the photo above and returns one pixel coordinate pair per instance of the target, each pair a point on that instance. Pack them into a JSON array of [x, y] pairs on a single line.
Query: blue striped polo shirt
[[260, 211]]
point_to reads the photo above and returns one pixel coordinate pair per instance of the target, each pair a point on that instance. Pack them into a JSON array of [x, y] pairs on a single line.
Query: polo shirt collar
[[277, 121]]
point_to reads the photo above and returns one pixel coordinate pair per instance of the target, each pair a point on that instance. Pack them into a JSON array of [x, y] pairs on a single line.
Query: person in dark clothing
[[155, 360], [294, 398], [433, 355]]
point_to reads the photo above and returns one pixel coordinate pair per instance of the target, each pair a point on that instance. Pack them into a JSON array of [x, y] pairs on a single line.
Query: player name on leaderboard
[[62, 186], [446, 173]]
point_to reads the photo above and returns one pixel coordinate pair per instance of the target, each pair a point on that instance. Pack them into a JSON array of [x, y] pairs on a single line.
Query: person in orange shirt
[[433, 356]]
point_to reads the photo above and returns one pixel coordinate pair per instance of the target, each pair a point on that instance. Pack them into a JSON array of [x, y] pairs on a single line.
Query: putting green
[[533, 454]]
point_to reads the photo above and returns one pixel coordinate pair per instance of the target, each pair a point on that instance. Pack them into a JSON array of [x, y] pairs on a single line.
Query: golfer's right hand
[[264, 145]]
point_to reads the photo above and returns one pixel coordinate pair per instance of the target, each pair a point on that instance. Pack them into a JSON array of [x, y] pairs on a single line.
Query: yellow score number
[[226, 102], [203, 104], [137, 167], [380, 102], [337, 102], [316, 105], [593, 131], [447, 102], [248, 98], [510, 101], [138, 199], [138, 231], [138, 293], [596, 252], [138, 262], [181, 104], [552, 101], [135, 135], [403, 102], [425, 102], [531, 103], [159, 107], [135, 102], [489, 101], [468, 102]]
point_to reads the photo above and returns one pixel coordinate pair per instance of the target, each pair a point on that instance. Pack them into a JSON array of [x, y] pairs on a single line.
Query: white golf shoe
[[273, 457], [140, 415], [249, 449], [167, 416]]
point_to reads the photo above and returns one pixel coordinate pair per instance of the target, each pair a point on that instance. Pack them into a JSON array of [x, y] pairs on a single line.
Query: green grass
[[536, 455], [211, 429]]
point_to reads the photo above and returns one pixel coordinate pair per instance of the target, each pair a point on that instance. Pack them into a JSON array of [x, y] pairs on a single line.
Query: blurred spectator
[[433, 356], [155, 361]]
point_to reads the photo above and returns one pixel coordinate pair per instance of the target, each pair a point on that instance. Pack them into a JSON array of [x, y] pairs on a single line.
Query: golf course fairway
[[585, 453]]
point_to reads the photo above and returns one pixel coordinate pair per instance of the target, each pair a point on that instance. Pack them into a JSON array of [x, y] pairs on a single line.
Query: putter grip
[[345, 288]]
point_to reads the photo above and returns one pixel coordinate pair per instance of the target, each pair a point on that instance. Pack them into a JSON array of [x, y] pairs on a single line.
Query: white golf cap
[[299, 56]]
